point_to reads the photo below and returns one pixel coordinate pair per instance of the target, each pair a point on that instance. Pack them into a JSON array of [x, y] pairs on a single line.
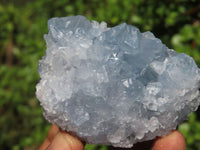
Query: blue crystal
[[114, 86]]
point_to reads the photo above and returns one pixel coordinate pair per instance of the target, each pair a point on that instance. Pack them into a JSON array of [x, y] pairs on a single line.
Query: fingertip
[[64, 140], [74, 143], [52, 132], [174, 141]]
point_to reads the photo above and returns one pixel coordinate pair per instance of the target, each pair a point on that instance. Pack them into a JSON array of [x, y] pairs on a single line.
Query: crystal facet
[[114, 86]]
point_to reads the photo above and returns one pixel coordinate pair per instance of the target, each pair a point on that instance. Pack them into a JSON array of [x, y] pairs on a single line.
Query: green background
[[22, 25]]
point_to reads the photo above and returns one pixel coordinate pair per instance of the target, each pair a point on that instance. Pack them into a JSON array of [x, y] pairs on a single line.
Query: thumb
[[64, 141], [174, 141]]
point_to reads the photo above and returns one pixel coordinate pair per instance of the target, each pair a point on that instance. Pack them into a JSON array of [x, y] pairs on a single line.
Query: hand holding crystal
[[58, 140]]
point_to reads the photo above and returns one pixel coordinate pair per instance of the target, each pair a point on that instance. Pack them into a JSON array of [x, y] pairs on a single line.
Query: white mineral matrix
[[114, 86]]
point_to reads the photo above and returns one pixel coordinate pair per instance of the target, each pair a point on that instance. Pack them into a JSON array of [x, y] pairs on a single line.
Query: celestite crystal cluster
[[114, 86]]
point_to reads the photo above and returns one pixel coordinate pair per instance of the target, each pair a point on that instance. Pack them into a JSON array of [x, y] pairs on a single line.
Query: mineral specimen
[[114, 86]]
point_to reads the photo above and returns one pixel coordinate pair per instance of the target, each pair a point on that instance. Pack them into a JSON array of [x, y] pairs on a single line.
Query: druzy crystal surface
[[114, 86]]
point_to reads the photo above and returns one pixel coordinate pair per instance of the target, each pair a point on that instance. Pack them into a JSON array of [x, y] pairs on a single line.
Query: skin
[[58, 140]]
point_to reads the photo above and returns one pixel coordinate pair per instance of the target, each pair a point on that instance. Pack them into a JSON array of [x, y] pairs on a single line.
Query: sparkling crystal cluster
[[114, 86]]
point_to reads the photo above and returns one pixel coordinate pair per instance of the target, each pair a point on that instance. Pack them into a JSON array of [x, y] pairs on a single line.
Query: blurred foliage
[[22, 25], [191, 130]]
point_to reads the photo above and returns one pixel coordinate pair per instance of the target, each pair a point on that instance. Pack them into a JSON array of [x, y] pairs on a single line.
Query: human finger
[[50, 136], [63, 140], [174, 141]]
